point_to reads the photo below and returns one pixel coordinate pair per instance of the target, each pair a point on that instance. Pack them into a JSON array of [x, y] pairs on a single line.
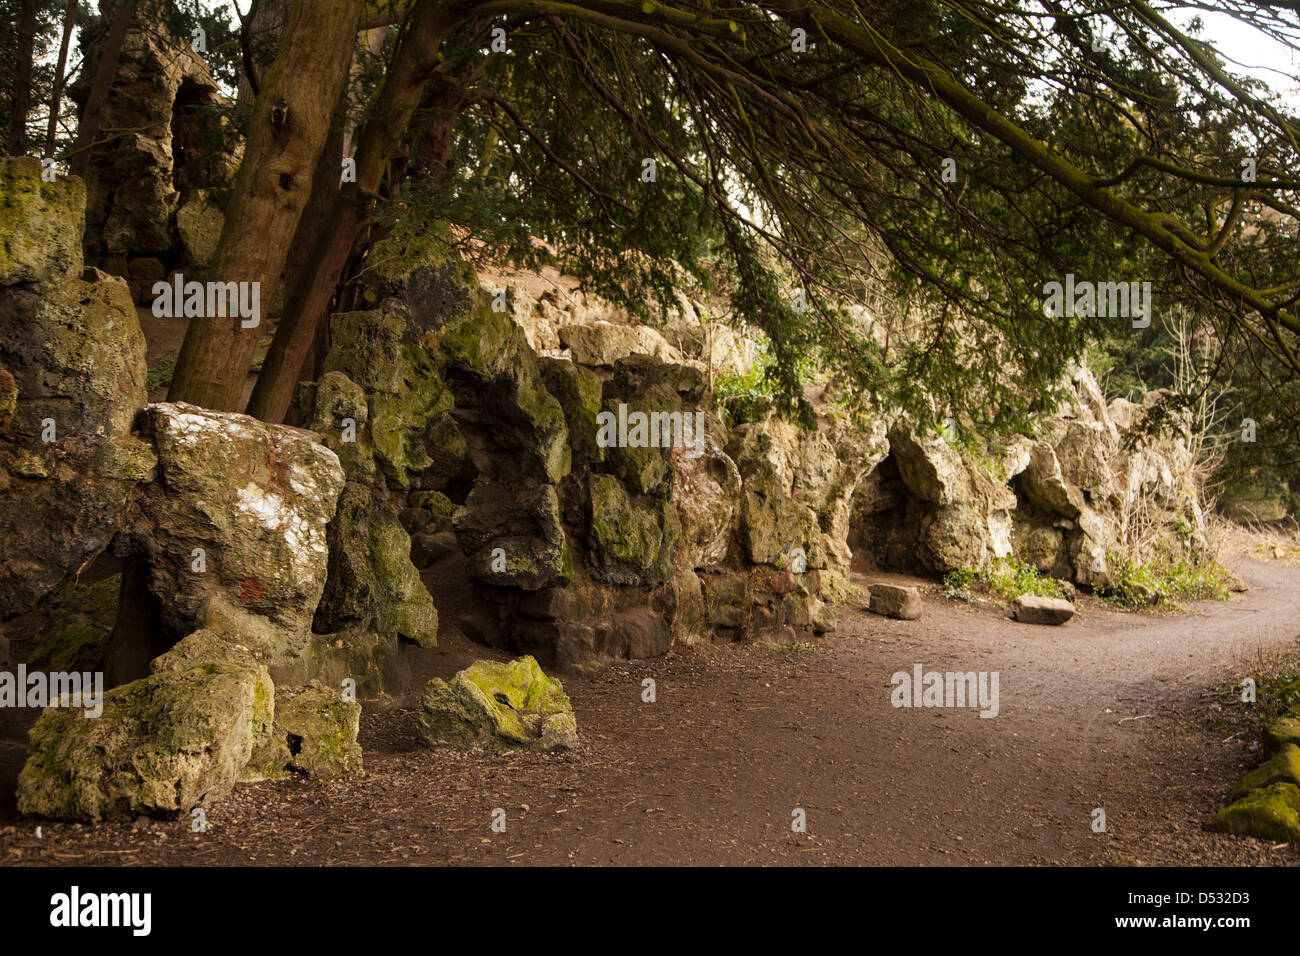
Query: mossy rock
[[315, 734], [336, 409], [382, 352], [1282, 767], [40, 223], [371, 582], [425, 272], [1280, 733], [435, 502], [83, 617], [578, 391], [498, 706], [1269, 813], [163, 743], [514, 427], [632, 542]]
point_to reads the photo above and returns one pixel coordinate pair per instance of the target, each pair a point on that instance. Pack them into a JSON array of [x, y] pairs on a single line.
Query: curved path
[[1129, 713]]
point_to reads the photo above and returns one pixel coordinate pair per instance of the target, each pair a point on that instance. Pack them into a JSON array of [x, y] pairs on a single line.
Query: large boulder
[[603, 344], [240, 510], [72, 376], [372, 584], [163, 743], [496, 706]]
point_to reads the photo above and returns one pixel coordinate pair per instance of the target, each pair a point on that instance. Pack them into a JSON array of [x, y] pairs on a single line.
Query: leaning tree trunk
[[21, 100], [56, 97], [385, 128], [290, 124]]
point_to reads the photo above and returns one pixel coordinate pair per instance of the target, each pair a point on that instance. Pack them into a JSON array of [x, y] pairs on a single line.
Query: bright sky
[[1255, 54]]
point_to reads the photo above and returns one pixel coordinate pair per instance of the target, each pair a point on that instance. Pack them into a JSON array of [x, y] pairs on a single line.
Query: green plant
[[1165, 579], [1007, 578], [160, 376]]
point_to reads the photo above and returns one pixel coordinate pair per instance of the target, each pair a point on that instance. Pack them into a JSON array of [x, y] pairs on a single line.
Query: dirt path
[[1117, 711]]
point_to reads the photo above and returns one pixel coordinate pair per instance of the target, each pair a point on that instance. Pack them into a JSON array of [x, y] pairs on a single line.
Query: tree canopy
[[888, 185]]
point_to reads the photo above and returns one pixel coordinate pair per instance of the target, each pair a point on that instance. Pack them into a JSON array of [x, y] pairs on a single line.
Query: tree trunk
[[383, 131], [21, 100], [56, 98], [290, 123], [88, 128]]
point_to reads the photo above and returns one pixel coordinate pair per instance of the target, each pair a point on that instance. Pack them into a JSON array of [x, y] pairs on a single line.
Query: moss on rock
[[40, 223], [498, 706], [1269, 813], [82, 620]]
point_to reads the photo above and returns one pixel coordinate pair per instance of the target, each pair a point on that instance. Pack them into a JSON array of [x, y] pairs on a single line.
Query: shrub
[[1007, 578]]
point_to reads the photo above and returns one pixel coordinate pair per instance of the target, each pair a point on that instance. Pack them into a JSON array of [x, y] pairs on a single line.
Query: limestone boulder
[[498, 706], [891, 600], [602, 344], [240, 510], [1034, 609], [162, 745], [314, 734]]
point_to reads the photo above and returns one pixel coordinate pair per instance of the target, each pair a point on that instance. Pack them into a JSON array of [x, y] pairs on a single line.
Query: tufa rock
[[252, 499], [495, 706]]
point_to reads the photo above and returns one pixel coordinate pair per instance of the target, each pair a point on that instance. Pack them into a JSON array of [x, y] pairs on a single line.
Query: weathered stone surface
[[705, 490], [381, 352], [514, 428], [82, 618], [890, 600], [425, 274], [512, 537], [372, 583], [163, 744], [1282, 767], [1280, 733], [314, 734], [602, 344], [632, 542], [170, 141], [40, 223], [578, 391], [496, 706], [72, 371], [253, 499], [1032, 609], [1269, 813]]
